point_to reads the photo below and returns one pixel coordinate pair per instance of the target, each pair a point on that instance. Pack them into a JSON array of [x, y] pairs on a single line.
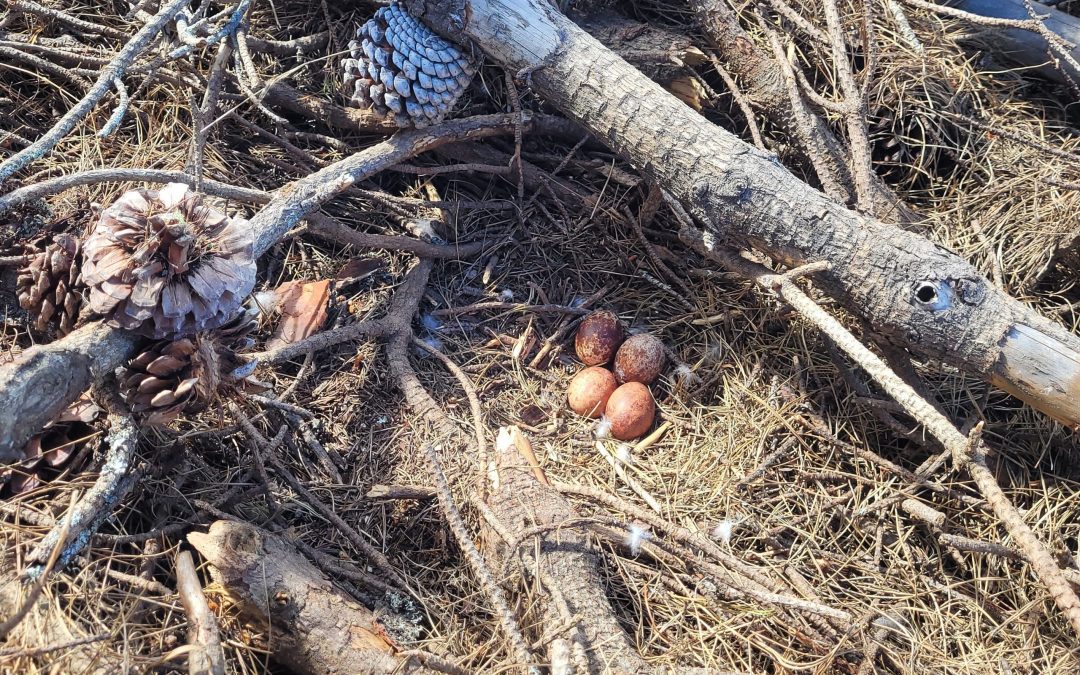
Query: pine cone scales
[[165, 264], [52, 449], [49, 286], [400, 68], [186, 374]]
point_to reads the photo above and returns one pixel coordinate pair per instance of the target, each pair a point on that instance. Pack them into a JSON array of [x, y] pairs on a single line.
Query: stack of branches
[[787, 514]]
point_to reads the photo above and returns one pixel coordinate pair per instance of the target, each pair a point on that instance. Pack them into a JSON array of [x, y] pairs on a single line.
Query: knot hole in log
[[937, 295]]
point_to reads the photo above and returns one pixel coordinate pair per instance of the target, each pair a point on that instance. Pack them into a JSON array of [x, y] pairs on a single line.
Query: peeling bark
[[907, 288]]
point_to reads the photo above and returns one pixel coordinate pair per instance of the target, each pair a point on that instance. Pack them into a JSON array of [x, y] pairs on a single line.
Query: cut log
[[910, 290], [315, 628]]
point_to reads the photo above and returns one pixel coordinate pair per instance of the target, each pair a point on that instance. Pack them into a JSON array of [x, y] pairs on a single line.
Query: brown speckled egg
[[589, 391], [631, 411], [640, 359], [598, 337]]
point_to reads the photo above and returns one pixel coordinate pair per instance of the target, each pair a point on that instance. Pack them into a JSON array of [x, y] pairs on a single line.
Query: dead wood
[[314, 627], [562, 562], [908, 289], [968, 453], [661, 54], [207, 657]]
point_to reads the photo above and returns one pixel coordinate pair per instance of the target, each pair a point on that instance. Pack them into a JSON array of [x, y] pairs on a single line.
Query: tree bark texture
[[909, 289], [315, 628], [562, 558]]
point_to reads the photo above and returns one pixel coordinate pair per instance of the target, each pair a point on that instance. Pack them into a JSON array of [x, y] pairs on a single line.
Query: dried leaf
[[358, 268], [303, 310]]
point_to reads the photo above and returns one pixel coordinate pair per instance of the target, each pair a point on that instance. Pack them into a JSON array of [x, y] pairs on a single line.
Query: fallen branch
[[495, 595], [314, 628], [115, 479], [908, 289], [207, 656], [561, 560], [968, 452]]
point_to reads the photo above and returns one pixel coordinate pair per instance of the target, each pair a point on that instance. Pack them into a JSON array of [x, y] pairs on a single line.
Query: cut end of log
[[1040, 369]]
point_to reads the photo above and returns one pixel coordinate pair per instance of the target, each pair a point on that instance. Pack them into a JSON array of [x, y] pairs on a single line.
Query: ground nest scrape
[[775, 446]]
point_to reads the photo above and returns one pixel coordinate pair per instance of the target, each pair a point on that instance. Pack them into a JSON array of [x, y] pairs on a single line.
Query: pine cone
[[51, 450], [187, 374], [49, 286], [165, 264], [400, 68]]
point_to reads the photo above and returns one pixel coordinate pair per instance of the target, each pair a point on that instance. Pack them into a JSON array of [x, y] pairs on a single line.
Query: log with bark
[[909, 290], [561, 562], [314, 628]]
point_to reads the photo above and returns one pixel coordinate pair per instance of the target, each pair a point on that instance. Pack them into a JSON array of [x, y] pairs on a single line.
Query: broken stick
[[564, 564], [207, 657], [315, 628]]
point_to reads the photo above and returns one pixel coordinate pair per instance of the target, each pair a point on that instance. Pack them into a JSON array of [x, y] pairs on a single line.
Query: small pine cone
[[50, 451], [49, 286], [187, 374], [165, 264], [400, 68]]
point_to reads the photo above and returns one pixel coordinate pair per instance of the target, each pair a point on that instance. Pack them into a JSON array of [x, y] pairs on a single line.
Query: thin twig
[[207, 656]]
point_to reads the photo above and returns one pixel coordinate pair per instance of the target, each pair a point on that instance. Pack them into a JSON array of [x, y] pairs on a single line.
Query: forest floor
[[772, 443]]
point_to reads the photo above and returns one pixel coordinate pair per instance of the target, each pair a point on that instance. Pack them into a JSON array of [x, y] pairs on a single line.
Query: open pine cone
[[186, 374], [166, 264], [52, 450], [400, 68], [49, 286]]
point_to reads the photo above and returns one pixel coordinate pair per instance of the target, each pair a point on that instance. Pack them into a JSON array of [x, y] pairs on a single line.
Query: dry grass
[[817, 513]]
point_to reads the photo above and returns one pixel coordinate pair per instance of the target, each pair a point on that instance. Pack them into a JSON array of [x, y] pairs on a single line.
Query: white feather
[[504, 440], [603, 427], [685, 376], [724, 530], [430, 322], [636, 537]]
